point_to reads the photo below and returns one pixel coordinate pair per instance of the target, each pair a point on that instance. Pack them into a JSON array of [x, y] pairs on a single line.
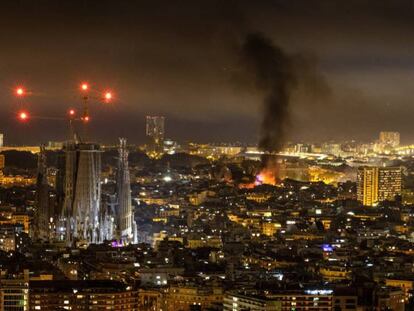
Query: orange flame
[[267, 176]]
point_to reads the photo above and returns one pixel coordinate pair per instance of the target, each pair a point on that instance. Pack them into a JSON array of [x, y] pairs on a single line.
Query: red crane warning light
[[23, 116]]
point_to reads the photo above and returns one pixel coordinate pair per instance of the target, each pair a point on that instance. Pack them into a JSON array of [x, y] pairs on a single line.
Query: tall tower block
[[155, 134]]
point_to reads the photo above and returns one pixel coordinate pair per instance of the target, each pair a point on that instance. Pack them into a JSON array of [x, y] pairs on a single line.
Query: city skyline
[[206, 155]]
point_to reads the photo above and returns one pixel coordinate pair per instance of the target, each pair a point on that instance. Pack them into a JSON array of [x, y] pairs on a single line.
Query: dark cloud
[[176, 58]]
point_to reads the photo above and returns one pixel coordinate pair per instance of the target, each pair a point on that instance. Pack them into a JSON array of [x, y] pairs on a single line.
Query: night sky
[[178, 59]]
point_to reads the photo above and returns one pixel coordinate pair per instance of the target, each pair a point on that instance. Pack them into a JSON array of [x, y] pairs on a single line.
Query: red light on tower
[[86, 119], [108, 96], [71, 112], [84, 86], [23, 116], [20, 91]]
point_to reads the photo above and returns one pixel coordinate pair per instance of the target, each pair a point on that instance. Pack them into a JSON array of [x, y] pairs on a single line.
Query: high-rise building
[[391, 139], [367, 185], [125, 223], [42, 224], [1, 139], [376, 184], [389, 183], [155, 133], [82, 198]]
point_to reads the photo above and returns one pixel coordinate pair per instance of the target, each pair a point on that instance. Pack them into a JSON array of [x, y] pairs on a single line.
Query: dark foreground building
[[81, 295]]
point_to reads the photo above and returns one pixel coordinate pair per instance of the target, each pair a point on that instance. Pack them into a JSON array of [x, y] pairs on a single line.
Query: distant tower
[[43, 212], [125, 224], [82, 187], [155, 133]]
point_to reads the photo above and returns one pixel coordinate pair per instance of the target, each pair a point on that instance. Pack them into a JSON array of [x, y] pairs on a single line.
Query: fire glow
[[266, 176]]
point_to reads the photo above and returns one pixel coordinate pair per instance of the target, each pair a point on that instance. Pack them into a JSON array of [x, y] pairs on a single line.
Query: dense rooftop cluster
[[206, 242]]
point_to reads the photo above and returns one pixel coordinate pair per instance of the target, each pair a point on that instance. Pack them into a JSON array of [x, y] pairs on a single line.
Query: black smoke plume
[[277, 75], [274, 76]]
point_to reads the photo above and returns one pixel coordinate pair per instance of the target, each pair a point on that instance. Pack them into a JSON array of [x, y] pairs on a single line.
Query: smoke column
[[274, 76]]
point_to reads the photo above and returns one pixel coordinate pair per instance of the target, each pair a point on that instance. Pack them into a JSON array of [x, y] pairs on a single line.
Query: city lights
[[195, 166]]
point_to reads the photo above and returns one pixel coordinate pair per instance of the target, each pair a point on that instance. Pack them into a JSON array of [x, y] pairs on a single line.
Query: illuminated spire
[[43, 214], [124, 215]]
